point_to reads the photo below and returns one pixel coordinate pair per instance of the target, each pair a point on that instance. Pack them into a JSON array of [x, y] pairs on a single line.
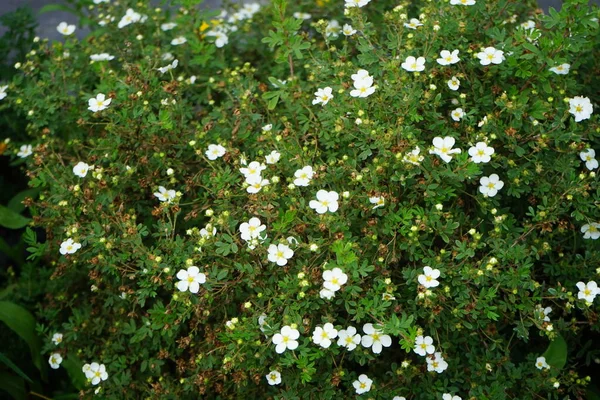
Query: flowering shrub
[[264, 203]]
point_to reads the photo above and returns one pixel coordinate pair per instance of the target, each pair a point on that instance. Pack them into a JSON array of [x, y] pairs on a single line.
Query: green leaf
[[13, 385], [6, 361], [22, 322], [57, 7], [15, 203], [11, 220], [73, 367], [556, 354]]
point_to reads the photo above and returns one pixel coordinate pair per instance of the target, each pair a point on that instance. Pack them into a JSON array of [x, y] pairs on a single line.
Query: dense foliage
[[230, 199]]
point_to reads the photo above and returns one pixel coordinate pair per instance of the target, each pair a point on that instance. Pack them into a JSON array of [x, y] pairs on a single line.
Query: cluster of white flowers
[[332, 282], [253, 177], [363, 84], [95, 373]]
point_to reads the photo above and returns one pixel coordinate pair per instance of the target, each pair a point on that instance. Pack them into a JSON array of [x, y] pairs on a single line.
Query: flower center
[[414, 66], [286, 339], [280, 254], [578, 109], [190, 279], [490, 185]]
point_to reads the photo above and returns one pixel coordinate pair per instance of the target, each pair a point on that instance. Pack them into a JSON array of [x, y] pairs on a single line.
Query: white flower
[[453, 83], [214, 151], [190, 279], [302, 15], [286, 339], [448, 58], [303, 176], [169, 67], [399, 398], [326, 201], [267, 128], [262, 322], [490, 55], [428, 278], [589, 156], [99, 103], [101, 1], [326, 294], [363, 84], [165, 195], [543, 312], [323, 335], [413, 157], [363, 384], [280, 254], [587, 291], [462, 2], [482, 122], [274, 378], [69, 247], [448, 396], [178, 40], [436, 363], [55, 360], [348, 338], [167, 26], [591, 231], [253, 170], [251, 229], [443, 148], [322, 96], [581, 108], [221, 38], [208, 231], [256, 183], [413, 23], [356, 3], [65, 28], [541, 363], [375, 339], [490, 185], [424, 345], [348, 30], [130, 17], [101, 57], [3, 91], [168, 56], [333, 29], [481, 153], [334, 279], [25, 151], [379, 201], [412, 64], [457, 114], [95, 372], [57, 338], [273, 157], [562, 69]]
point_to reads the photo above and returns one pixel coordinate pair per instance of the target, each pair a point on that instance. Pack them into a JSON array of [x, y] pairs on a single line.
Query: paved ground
[[49, 21]]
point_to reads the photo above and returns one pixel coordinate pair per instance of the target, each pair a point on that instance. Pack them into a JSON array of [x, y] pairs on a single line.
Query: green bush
[[224, 220]]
